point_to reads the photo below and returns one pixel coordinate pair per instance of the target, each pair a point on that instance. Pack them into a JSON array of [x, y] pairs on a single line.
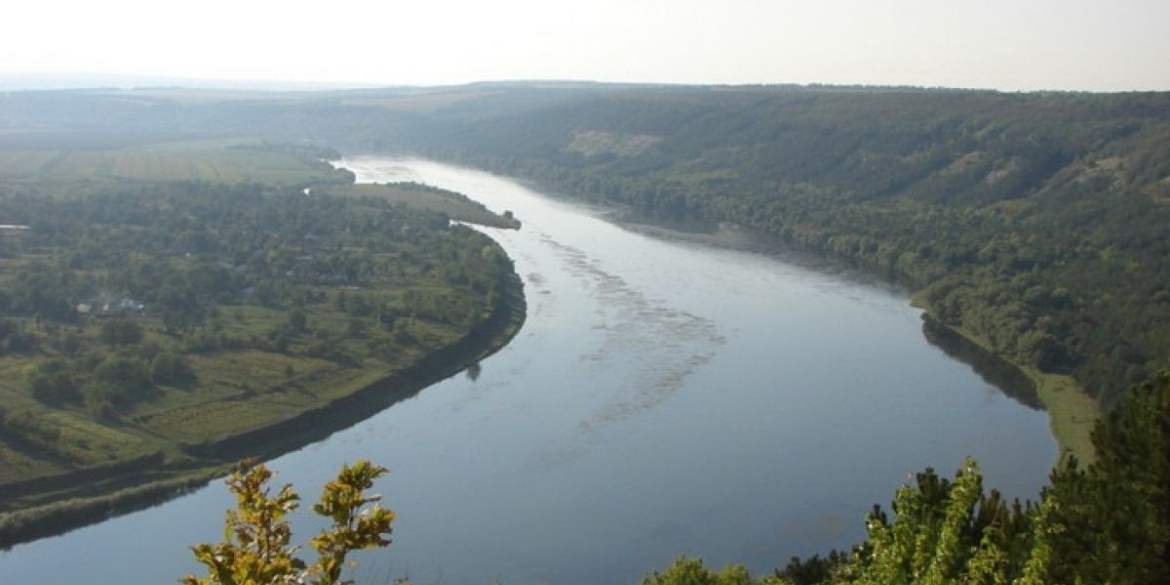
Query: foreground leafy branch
[[256, 548]]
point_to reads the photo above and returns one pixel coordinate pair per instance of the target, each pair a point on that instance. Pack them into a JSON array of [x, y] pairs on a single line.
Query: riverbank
[[63, 503], [1071, 412]]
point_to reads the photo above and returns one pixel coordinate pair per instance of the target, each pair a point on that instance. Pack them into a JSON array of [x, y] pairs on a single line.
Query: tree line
[[115, 295], [1033, 222]]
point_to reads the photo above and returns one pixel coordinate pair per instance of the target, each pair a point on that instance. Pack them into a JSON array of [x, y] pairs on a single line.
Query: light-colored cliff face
[[593, 142]]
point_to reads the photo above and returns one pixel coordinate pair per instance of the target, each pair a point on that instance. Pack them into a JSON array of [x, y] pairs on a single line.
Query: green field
[[221, 160], [454, 205]]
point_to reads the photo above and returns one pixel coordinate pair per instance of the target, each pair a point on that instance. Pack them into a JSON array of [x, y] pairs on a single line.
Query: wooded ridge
[[1033, 222]]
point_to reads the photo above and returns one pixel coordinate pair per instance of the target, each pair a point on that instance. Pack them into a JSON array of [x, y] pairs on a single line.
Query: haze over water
[[663, 398]]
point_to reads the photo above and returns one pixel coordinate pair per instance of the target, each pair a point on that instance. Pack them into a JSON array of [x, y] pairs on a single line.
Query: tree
[[120, 332], [1109, 523], [690, 571], [257, 549], [297, 321], [52, 384], [169, 368], [1129, 485]]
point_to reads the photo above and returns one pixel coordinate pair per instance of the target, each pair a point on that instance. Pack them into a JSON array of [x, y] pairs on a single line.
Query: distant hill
[[66, 80]]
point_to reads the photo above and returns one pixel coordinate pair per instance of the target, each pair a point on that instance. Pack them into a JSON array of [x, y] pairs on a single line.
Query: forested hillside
[[1034, 223]]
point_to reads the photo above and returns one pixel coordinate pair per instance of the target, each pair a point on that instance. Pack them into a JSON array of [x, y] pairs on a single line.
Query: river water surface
[[663, 398]]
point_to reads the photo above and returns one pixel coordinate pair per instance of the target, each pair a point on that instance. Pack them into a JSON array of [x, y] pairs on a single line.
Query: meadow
[[228, 160]]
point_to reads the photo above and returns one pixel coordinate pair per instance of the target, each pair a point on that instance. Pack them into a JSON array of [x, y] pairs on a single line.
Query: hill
[[1033, 223]]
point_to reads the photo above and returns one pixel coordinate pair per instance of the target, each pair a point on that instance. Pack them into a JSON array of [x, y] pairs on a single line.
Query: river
[[664, 397]]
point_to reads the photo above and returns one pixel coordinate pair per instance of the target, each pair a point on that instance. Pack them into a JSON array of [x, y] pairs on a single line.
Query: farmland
[[169, 308], [234, 160]]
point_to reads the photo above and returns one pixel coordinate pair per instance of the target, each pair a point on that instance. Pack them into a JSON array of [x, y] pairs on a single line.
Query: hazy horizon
[[1020, 45], [65, 81]]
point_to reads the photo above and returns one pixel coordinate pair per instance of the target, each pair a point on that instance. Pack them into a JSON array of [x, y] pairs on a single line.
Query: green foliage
[[814, 569], [114, 307], [257, 547], [425, 197], [943, 532], [1115, 518], [1109, 523], [170, 368], [121, 332], [1035, 222], [52, 383], [29, 431], [355, 526], [121, 381], [690, 571]]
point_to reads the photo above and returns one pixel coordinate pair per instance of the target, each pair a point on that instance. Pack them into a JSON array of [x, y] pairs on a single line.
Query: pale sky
[[1011, 45]]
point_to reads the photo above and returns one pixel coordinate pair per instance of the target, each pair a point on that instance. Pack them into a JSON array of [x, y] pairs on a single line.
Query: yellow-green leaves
[[354, 527], [256, 548], [690, 571]]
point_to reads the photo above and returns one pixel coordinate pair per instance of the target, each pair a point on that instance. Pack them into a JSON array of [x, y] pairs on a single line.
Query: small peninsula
[[159, 322]]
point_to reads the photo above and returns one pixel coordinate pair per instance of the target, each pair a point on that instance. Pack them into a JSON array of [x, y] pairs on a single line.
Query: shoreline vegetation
[[1031, 224], [135, 485], [1072, 413], [173, 307]]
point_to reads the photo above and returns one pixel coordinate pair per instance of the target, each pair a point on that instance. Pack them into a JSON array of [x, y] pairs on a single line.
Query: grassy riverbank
[[1071, 412], [54, 505]]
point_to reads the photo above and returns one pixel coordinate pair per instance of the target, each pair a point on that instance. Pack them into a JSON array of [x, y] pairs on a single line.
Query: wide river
[[664, 398]]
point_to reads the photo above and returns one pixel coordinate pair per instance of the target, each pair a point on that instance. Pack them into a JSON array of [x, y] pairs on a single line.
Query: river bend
[[664, 397]]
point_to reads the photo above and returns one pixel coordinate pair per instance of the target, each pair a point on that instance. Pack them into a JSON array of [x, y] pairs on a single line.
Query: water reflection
[[1003, 375]]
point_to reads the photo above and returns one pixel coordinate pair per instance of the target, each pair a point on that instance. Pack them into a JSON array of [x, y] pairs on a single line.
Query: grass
[[240, 391], [237, 391], [98, 441], [221, 160], [454, 205], [1071, 412], [49, 510]]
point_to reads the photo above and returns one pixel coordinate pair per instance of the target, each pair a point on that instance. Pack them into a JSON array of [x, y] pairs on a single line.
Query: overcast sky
[[1096, 45]]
